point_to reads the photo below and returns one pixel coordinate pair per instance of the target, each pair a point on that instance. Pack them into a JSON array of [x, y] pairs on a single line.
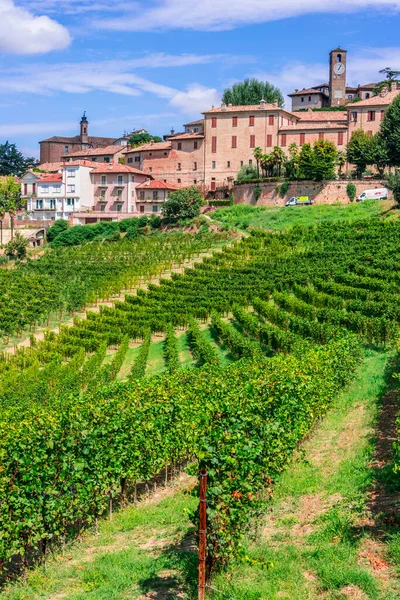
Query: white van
[[378, 194]]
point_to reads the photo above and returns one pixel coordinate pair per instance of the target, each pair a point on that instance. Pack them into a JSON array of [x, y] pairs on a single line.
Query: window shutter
[[213, 186], [251, 121], [382, 115], [283, 139], [179, 145], [321, 135], [214, 145], [234, 141], [269, 140], [214, 122], [271, 120], [252, 141], [340, 138], [234, 121], [25, 189], [302, 138]]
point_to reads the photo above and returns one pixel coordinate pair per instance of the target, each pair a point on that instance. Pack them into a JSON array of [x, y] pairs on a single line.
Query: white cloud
[[195, 99], [217, 15], [21, 32]]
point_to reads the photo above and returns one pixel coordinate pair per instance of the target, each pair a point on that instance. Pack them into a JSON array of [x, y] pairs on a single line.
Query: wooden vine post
[[203, 534]]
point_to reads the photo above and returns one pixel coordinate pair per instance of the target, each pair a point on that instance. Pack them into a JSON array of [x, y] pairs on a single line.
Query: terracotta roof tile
[[314, 126], [56, 178], [157, 185], [155, 146], [322, 116], [118, 168], [376, 100], [113, 149], [249, 108], [188, 136], [305, 92], [198, 122]]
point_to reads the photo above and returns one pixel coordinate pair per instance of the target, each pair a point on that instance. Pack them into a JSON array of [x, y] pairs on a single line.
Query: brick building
[[54, 148]]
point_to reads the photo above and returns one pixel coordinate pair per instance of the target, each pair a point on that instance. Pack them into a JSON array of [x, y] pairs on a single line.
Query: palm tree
[[341, 161], [267, 164], [258, 156], [278, 158]]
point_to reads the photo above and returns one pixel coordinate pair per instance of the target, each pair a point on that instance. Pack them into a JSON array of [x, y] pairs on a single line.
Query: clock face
[[339, 68]]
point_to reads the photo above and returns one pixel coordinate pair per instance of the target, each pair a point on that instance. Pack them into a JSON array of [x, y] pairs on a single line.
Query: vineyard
[[273, 327]]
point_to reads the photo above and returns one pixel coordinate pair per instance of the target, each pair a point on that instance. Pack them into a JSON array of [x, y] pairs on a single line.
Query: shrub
[[351, 191], [183, 204], [56, 229], [247, 173]]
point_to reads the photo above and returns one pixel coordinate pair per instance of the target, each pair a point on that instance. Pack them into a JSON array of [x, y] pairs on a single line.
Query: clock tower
[[337, 77]]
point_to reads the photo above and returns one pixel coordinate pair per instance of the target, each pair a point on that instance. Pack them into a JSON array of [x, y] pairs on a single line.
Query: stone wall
[[322, 192]]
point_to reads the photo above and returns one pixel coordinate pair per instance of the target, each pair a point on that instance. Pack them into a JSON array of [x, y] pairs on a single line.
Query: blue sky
[[159, 63]]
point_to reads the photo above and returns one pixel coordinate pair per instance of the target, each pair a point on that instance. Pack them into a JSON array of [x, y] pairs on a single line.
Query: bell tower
[[337, 77], [84, 131]]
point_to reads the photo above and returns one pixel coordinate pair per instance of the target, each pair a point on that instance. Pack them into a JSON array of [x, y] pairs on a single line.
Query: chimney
[[276, 103], [230, 104], [223, 107], [329, 124], [262, 104], [151, 142]]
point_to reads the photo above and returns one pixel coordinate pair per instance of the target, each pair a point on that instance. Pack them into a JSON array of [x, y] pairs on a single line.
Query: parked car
[[299, 201], [377, 194]]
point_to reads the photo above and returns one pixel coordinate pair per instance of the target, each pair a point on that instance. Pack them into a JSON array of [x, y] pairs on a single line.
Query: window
[[269, 140], [179, 145], [155, 208], [382, 117], [371, 115], [106, 159], [179, 180], [214, 122], [132, 178], [252, 141], [102, 207], [119, 194], [214, 145], [94, 159], [228, 164], [39, 204], [234, 121], [66, 149], [155, 195], [141, 194], [33, 188], [150, 154], [141, 208], [195, 181], [309, 98], [234, 141], [250, 161], [302, 98], [52, 204], [195, 166], [103, 195], [271, 120], [179, 166], [321, 135], [165, 153], [339, 58], [25, 189], [195, 145], [214, 164], [137, 159], [302, 138], [71, 189], [283, 140], [70, 173], [213, 184], [120, 179], [104, 180], [150, 169], [241, 163], [340, 138], [119, 207], [251, 121], [354, 116], [71, 202], [367, 95]]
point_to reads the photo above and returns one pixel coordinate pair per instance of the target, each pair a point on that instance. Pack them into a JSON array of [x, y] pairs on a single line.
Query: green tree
[[278, 158], [324, 161], [13, 162], [55, 230], [359, 151], [340, 161], [306, 158], [292, 165], [390, 129], [247, 173], [394, 185], [379, 153], [267, 165], [183, 204], [17, 247], [351, 191], [143, 138], [10, 199], [252, 91]]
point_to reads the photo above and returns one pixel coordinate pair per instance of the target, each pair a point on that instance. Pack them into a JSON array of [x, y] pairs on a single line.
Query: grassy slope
[[243, 216], [318, 542]]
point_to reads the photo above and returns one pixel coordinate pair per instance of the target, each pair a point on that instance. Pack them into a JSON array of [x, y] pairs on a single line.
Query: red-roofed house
[[106, 154], [152, 194]]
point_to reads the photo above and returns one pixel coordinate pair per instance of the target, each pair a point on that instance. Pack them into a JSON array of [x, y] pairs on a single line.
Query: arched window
[[339, 58]]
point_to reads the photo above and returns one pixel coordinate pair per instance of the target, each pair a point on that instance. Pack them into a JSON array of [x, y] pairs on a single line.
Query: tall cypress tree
[[390, 128]]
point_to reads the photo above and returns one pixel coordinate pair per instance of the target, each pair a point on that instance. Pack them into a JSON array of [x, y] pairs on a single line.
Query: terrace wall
[[322, 192]]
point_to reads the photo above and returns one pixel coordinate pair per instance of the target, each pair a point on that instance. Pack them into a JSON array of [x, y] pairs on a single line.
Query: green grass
[[155, 362], [222, 350], [185, 355], [243, 216], [130, 358]]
